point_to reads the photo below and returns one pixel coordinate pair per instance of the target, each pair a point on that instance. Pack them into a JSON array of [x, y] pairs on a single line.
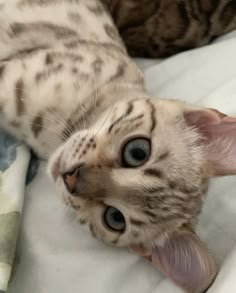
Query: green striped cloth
[[14, 162]]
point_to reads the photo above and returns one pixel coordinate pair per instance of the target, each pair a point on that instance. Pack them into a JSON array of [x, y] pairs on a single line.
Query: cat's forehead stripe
[[152, 115], [129, 110]]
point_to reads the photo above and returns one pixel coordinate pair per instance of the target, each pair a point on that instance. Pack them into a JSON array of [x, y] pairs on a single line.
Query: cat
[[133, 168], [160, 28]]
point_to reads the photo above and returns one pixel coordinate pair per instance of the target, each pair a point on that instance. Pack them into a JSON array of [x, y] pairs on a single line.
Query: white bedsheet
[[55, 255]]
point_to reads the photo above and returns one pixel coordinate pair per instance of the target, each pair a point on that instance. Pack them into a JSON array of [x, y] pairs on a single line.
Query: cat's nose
[[71, 180]]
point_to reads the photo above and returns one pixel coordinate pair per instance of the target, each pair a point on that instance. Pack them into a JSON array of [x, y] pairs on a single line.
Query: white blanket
[[55, 255]]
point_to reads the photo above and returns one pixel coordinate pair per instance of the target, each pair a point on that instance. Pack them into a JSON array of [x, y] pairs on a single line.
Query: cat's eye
[[114, 219], [136, 152]]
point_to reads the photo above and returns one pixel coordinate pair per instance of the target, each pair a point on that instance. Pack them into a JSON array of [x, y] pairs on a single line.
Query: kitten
[[133, 168], [159, 28]]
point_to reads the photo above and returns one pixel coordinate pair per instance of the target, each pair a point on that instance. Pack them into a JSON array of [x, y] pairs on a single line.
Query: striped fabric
[[14, 161]]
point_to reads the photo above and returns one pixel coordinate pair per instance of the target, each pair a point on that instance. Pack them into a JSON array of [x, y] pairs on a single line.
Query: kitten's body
[[74, 65], [157, 28], [67, 84]]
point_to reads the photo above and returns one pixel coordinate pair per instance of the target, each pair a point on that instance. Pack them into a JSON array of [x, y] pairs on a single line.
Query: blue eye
[[136, 152], [114, 219]]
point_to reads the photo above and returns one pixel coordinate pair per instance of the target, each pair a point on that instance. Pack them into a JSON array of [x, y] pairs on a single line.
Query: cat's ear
[[185, 260], [218, 132]]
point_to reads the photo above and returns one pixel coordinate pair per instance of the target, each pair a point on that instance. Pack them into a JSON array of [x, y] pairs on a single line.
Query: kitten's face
[[136, 175]]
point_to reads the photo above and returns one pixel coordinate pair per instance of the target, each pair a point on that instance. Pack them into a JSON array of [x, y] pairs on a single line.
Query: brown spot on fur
[[44, 75], [57, 31], [2, 70], [153, 172], [74, 70], [172, 185], [37, 125], [97, 65], [111, 32], [119, 73], [48, 59], [71, 44], [26, 53], [20, 96]]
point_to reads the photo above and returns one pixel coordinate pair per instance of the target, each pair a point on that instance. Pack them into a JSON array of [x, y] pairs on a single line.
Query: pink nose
[[71, 180]]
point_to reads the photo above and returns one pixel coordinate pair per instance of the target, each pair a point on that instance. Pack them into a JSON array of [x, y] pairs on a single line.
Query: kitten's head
[[138, 177]]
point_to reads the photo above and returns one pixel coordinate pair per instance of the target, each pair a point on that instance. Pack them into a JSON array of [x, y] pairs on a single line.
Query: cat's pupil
[[138, 154], [117, 217]]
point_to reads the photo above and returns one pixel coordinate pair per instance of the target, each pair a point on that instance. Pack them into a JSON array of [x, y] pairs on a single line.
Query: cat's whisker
[[105, 120]]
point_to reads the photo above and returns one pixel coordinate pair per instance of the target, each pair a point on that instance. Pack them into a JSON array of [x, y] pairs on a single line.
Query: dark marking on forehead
[[129, 110], [152, 116], [153, 172], [37, 125], [20, 96], [137, 222], [129, 125]]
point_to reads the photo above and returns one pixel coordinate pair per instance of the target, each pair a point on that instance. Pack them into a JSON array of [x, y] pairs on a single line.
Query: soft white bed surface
[[56, 255]]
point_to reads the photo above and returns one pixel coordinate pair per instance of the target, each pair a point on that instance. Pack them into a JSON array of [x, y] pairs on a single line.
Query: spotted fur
[[159, 28]]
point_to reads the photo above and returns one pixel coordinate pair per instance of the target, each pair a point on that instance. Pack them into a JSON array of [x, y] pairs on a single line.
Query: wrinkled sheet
[[14, 161], [56, 255]]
